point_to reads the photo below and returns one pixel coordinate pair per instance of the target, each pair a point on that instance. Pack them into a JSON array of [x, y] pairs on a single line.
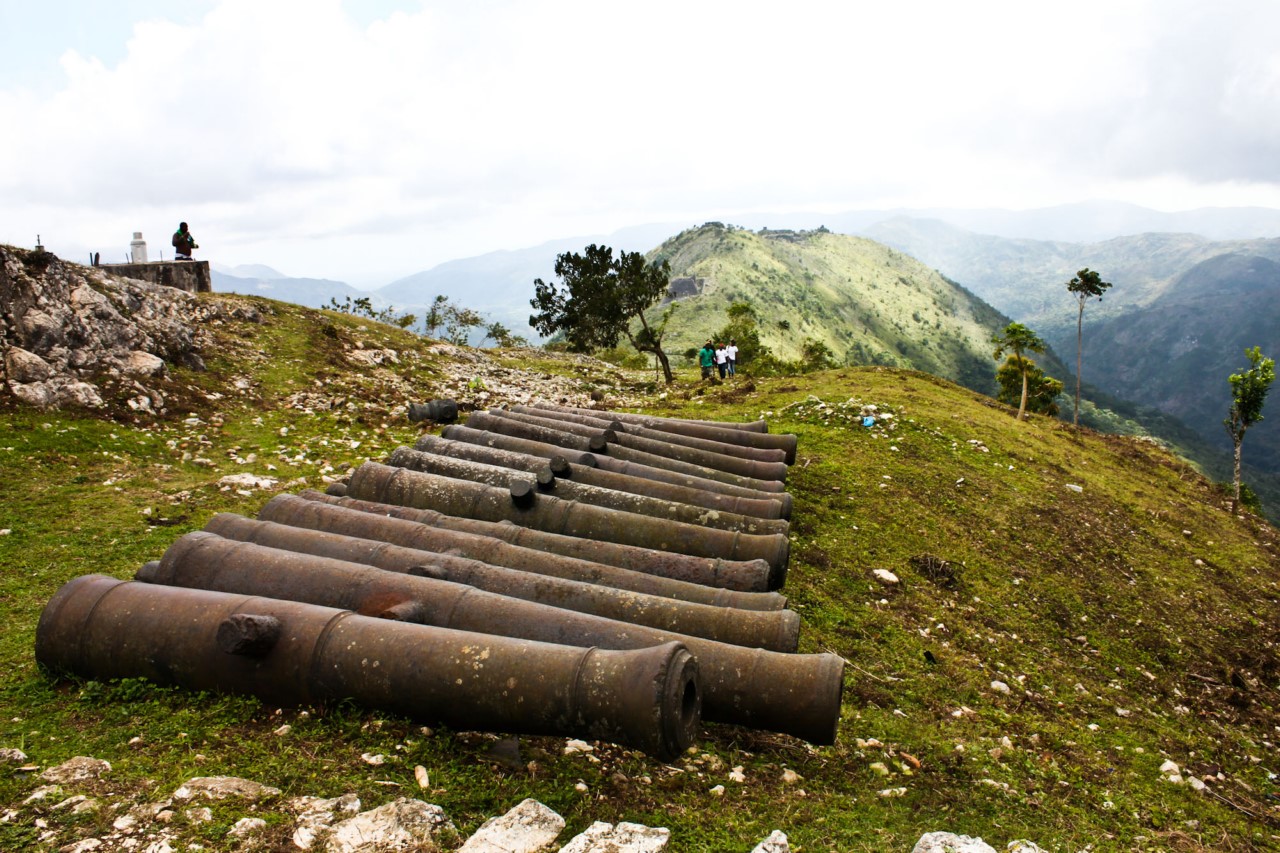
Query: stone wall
[[191, 276]]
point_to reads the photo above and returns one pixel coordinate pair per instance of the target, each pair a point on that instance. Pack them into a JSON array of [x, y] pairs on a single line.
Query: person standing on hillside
[[722, 360], [731, 353], [183, 243], [707, 359]]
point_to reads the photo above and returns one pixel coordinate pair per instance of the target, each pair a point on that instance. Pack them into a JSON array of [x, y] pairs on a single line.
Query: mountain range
[[1191, 291]]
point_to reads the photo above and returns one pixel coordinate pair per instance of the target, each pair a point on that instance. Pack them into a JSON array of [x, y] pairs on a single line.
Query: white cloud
[[287, 133]]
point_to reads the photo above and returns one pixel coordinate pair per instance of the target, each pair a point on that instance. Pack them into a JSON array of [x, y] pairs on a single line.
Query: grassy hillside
[[868, 303], [1073, 611]]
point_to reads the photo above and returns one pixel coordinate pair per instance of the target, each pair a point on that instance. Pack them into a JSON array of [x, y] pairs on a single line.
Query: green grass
[[1086, 604]]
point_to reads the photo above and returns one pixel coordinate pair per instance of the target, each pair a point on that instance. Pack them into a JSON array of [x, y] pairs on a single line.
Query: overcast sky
[[368, 140]]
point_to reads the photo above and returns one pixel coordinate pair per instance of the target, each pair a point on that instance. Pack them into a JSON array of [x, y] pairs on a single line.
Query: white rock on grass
[[948, 842], [1023, 846], [1000, 687], [603, 837], [247, 826], [527, 828], [315, 816], [82, 768], [398, 825], [223, 787], [775, 843], [885, 576], [9, 755]]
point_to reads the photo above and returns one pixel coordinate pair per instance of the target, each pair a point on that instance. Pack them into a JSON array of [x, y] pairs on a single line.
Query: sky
[[365, 141]]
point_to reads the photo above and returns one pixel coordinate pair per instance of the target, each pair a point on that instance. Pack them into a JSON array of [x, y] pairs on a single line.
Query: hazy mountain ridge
[[867, 302], [1177, 352]]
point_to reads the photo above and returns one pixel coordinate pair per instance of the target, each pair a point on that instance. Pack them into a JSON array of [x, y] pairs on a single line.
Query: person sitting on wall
[[183, 243]]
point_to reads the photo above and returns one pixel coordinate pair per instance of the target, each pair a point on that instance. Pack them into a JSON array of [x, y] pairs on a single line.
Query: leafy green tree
[[1042, 390], [816, 355], [456, 321], [1248, 393], [502, 336], [1086, 285], [598, 299], [363, 307], [1018, 339]]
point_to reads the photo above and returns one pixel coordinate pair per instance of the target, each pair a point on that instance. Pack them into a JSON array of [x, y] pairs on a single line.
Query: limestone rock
[[885, 577], [65, 325], [22, 366], [603, 837], [400, 825], [1023, 846], [82, 768], [775, 843], [139, 363], [223, 787], [315, 816], [247, 826], [527, 828], [947, 842], [8, 755]]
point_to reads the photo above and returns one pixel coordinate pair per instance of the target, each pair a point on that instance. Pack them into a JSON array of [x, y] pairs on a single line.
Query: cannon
[[286, 652], [716, 430], [733, 464], [523, 506], [750, 576], [598, 446], [496, 474], [712, 445], [778, 630], [604, 462], [793, 694], [502, 544], [593, 475]]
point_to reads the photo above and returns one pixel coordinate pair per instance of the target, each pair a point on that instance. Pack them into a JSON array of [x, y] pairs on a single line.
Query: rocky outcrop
[[73, 335]]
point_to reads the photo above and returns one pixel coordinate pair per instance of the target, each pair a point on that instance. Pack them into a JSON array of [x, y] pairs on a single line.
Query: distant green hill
[[867, 302]]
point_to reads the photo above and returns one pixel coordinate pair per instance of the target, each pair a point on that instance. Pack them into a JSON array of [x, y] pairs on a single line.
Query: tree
[[363, 307], [598, 299], [456, 320], [502, 336], [1086, 285], [1042, 390], [815, 355], [1248, 393], [1018, 339]]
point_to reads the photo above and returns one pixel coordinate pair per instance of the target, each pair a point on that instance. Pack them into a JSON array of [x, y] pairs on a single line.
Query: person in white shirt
[[722, 360], [731, 357]]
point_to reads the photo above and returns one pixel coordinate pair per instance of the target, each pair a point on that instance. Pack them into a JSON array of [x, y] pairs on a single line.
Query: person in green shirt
[[707, 359]]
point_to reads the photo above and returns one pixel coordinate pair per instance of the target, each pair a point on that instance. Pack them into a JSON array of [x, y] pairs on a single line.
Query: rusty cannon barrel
[[507, 544], [598, 446], [286, 652], [733, 464], [382, 483], [593, 475], [730, 448], [759, 426], [496, 474], [794, 694], [735, 583], [717, 431], [778, 630], [545, 450]]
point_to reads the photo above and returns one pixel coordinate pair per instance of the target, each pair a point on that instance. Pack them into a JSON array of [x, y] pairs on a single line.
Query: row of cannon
[[537, 570]]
